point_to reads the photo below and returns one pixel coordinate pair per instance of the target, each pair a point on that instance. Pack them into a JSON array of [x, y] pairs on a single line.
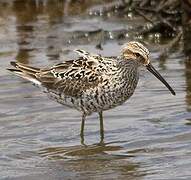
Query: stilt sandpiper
[[92, 83]]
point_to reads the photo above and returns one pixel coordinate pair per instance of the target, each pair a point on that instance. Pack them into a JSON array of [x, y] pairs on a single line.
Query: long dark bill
[[157, 75]]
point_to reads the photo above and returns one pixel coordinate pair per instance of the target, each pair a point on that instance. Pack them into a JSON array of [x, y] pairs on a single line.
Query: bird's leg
[[101, 127], [82, 128]]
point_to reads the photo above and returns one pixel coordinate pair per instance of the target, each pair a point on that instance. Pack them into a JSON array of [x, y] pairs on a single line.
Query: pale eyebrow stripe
[[141, 48]]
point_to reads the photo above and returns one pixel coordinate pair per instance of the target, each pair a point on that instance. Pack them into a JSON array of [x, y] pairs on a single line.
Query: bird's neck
[[126, 77], [125, 72], [127, 64]]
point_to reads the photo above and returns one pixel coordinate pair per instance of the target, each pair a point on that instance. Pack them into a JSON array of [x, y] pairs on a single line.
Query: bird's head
[[136, 51]]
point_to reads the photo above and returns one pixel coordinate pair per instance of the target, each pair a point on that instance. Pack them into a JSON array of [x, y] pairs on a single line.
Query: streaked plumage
[[91, 83]]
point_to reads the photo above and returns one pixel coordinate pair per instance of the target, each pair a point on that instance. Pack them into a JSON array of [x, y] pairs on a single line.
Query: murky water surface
[[149, 137]]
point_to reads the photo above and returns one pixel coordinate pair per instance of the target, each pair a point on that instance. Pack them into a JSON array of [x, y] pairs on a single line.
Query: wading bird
[[92, 83]]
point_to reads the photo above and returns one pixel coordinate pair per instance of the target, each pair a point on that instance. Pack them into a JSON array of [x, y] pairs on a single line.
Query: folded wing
[[70, 77]]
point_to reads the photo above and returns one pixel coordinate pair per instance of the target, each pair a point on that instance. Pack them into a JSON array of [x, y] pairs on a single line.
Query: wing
[[74, 76]]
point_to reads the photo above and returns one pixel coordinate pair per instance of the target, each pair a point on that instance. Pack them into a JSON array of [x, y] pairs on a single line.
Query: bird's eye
[[137, 54]]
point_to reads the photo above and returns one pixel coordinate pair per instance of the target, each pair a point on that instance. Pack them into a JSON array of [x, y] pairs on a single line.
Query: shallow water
[[148, 137]]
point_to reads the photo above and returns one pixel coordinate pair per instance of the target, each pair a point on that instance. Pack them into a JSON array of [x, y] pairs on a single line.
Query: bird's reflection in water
[[101, 160], [81, 150], [78, 150]]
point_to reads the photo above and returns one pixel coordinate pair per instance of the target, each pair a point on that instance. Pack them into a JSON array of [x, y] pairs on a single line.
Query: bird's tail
[[27, 72]]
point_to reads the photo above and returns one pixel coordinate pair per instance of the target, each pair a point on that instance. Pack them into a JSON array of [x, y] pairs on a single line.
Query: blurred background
[[149, 137]]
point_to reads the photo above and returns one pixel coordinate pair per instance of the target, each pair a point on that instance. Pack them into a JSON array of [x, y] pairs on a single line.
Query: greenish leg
[[82, 128], [101, 127]]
